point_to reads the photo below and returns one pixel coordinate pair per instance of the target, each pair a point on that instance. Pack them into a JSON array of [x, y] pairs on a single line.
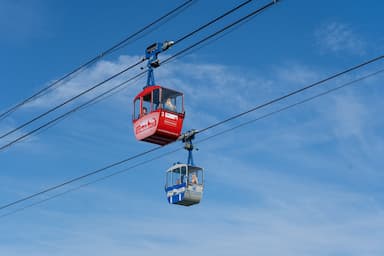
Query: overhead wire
[[90, 103], [114, 88], [98, 84], [66, 114], [320, 82], [263, 105], [212, 21], [79, 107], [295, 92], [185, 37], [110, 50], [199, 141], [329, 91], [252, 110], [72, 99], [89, 183], [257, 11], [244, 18], [79, 178]]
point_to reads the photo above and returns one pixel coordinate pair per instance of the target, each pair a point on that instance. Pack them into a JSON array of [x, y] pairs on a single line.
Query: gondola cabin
[[184, 184], [158, 115]]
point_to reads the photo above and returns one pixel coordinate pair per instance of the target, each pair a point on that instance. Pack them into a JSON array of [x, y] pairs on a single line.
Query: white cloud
[[30, 144], [283, 214], [348, 115], [225, 91], [340, 38], [206, 86], [86, 79], [292, 218], [297, 74]]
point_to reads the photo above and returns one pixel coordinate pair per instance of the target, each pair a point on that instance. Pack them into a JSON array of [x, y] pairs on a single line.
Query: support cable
[[295, 92], [71, 99], [89, 183], [112, 49], [217, 124], [123, 83]]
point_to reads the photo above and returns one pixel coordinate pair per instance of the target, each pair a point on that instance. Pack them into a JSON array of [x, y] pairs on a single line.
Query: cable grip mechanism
[[187, 139]]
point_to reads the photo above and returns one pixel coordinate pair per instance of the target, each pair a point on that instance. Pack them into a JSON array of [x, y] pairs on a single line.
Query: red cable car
[[158, 112], [158, 115]]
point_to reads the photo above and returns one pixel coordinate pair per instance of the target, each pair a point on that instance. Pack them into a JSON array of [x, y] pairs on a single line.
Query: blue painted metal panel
[[175, 193]]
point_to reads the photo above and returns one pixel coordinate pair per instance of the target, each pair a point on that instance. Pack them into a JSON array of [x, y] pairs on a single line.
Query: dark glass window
[[156, 99], [146, 108], [172, 100], [136, 112]]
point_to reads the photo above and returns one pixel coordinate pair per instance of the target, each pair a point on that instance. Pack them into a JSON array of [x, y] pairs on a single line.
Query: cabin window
[[184, 174], [136, 113], [146, 107], [176, 177], [172, 101], [179, 103], [169, 179], [195, 177], [156, 99]]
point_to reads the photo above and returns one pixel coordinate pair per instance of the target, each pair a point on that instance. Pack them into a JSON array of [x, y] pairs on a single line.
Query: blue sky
[[307, 181]]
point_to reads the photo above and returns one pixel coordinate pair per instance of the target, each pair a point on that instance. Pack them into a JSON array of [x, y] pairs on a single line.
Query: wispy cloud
[[283, 215], [295, 73], [287, 211], [87, 78], [28, 143], [340, 38], [224, 90], [348, 115], [217, 87]]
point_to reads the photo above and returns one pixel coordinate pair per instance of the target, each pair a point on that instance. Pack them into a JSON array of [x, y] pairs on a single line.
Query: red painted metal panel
[[160, 126]]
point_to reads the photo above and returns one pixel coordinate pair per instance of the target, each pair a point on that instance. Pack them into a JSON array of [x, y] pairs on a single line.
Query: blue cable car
[[184, 183]]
